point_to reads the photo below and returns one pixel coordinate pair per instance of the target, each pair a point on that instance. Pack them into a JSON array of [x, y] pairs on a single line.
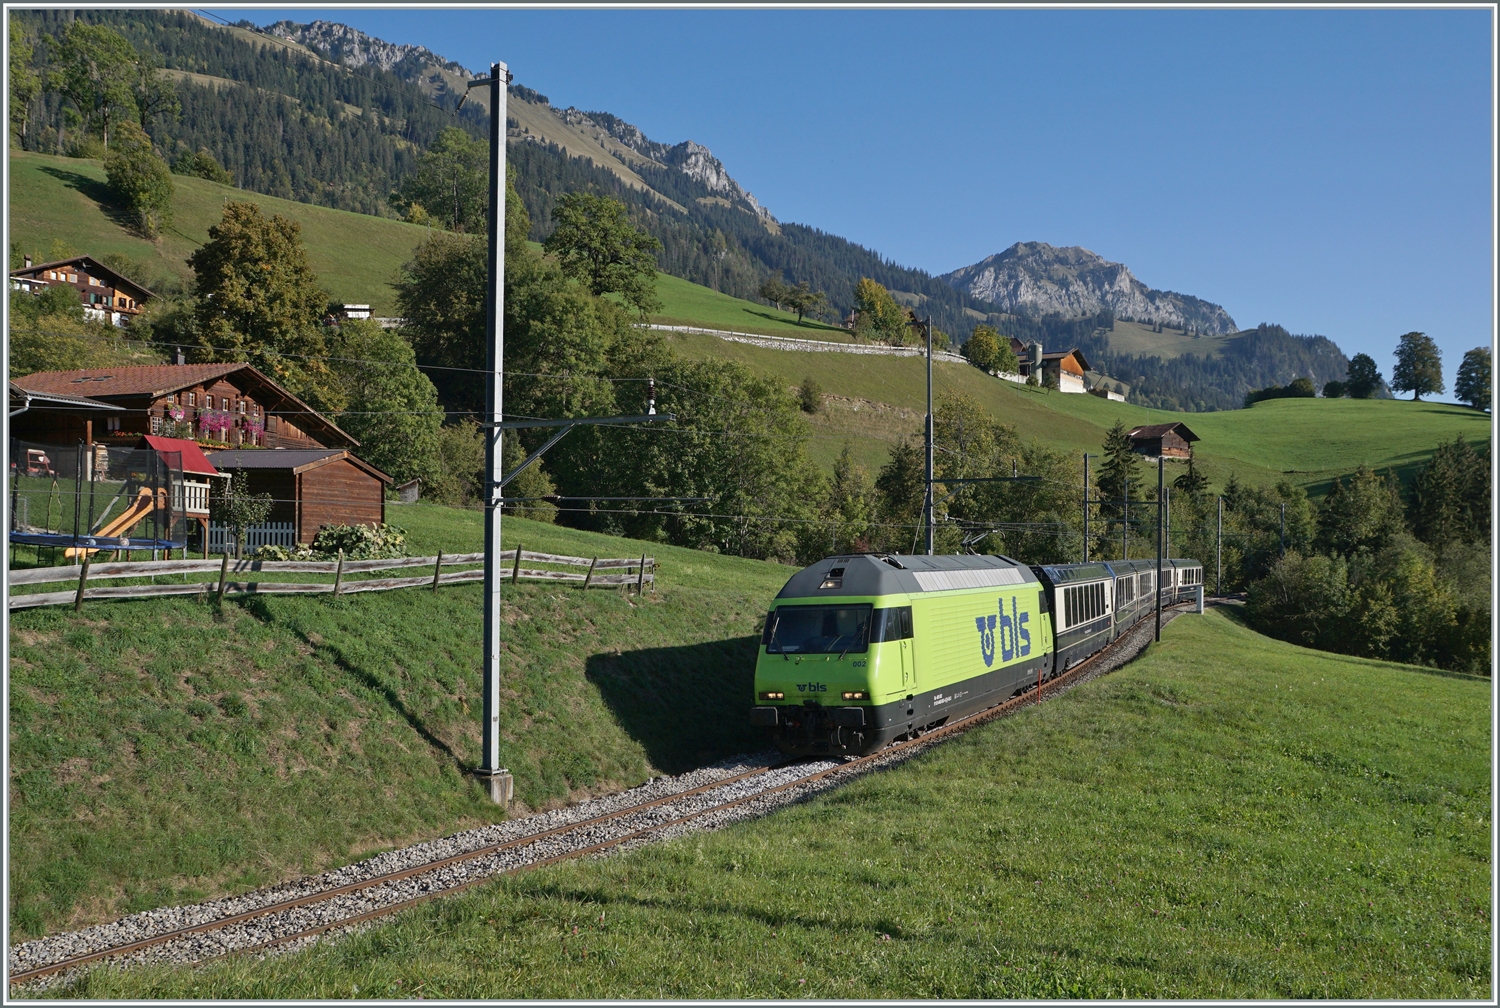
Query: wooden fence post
[[83, 578], [338, 574], [437, 570], [589, 577], [640, 580], [223, 575], [515, 572]]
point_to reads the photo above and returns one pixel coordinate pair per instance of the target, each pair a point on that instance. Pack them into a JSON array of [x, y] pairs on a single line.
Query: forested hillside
[[287, 123]]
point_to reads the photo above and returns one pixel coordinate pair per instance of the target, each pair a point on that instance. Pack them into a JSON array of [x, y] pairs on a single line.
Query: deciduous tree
[[877, 315], [140, 180], [1364, 378], [1419, 366], [1473, 384], [451, 182], [25, 84], [95, 68], [258, 300], [596, 244], [803, 300]]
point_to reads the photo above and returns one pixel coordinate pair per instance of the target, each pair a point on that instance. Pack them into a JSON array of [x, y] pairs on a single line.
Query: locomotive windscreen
[[818, 629]]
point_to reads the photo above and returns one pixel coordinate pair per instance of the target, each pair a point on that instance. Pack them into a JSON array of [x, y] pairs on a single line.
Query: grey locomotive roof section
[[866, 575], [269, 458]]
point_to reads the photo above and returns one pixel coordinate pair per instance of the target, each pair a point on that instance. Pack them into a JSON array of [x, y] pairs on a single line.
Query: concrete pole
[[1219, 552], [1125, 524], [931, 504], [496, 777], [1161, 489], [1282, 531]]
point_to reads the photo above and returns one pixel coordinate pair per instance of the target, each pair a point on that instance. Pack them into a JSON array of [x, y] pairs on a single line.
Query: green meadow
[[167, 750], [1226, 817]]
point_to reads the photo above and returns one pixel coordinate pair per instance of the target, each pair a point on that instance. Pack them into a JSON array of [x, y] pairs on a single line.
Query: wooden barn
[[1170, 440], [310, 488], [1066, 368]]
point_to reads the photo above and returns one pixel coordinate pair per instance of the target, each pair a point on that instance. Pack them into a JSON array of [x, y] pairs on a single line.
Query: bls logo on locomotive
[[1015, 638]]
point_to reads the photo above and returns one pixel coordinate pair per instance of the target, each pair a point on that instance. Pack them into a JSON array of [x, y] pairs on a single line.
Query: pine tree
[[1450, 496], [1192, 483], [1362, 516], [1473, 384], [900, 485], [1419, 366], [1119, 471]]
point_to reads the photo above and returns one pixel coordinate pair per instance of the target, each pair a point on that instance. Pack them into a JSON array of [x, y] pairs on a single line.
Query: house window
[[242, 406], [156, 425], [192, 398], [112, 424], [72, 278], [255, 408], [93, 282]]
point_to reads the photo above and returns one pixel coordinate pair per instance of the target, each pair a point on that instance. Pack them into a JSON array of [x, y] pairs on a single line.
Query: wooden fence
[[637, 572]]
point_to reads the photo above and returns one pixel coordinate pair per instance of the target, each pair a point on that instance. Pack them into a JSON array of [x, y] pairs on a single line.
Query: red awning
[[193, 459]]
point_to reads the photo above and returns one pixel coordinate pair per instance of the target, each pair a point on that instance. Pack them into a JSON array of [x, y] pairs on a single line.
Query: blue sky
[[1328, 170]]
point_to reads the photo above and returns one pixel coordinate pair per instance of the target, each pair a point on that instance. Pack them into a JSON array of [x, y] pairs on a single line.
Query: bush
[[359, 542], [139, 179], [1334, 390], [810, 395]]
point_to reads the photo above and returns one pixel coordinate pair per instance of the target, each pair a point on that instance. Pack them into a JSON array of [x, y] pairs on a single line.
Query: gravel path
[[659, 820]]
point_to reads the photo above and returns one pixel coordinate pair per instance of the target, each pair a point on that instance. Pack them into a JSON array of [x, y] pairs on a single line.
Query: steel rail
[[1032, 696]]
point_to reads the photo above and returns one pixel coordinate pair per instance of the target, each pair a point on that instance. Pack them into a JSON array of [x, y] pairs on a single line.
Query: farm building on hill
[[1067, 368], [225, 405], [309, 488], [1168, 440], [107, 295]]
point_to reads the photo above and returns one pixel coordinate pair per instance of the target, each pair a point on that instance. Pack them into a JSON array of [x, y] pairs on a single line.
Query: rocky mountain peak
[[1035, 278], [354, 48]]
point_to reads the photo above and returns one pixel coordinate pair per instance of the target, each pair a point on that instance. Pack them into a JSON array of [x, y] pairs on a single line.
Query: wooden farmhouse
[[1067, 368], [1170, 440], [107, 295], [221, 418], [310, 487], [217, 405]]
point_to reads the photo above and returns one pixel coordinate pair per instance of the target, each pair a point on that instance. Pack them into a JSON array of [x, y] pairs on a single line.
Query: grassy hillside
[[163, 751], [65, 200], [1228, 817], [685, 303], [1136, 339], [878, 400]]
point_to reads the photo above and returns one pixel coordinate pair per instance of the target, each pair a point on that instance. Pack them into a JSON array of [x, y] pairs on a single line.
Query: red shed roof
[[193, 459]]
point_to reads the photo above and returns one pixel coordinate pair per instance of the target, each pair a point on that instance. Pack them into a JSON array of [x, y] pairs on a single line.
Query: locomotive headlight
[[771, 695], [857, 695]]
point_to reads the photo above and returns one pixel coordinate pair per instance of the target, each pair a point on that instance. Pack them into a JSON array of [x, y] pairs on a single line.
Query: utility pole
[[1161, 487], [496, 778], [1167, 525], [1086, 502], [1219, 551], [1282, 531], [1125, 522], [929, 509]]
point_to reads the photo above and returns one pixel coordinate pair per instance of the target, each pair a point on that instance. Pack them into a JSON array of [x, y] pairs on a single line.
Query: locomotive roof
[[886, 574]]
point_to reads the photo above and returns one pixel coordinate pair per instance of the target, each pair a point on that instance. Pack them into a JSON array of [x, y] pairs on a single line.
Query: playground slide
[[145, 502]]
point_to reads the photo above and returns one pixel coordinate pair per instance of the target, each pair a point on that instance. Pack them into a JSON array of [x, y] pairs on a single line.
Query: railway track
[[156, 936]]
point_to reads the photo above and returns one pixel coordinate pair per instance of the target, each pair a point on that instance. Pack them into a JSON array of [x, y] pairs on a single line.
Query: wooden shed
[[311, 488], [1171, 440]]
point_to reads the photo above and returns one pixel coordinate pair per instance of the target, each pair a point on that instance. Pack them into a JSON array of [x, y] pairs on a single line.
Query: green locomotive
[[862, 650]]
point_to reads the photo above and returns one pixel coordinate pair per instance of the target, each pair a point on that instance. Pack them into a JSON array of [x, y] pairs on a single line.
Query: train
[[862, 650]]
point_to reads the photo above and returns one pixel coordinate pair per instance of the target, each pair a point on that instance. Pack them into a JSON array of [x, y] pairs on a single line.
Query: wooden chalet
[[311, 488], [107, 295], [1170, 440], [216, 418], [217, 405]]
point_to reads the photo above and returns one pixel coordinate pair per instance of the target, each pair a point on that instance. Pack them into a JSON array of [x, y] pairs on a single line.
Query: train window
[[1125, 589], [819, 630], [891, 624]]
